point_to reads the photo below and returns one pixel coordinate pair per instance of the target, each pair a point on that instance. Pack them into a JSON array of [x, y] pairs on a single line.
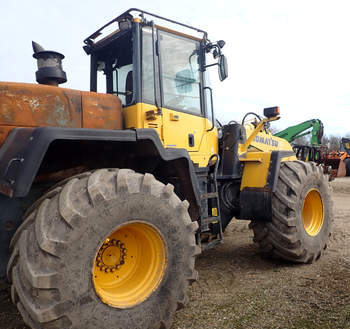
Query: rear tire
[[301, 220], [58, 279], [347, 166]]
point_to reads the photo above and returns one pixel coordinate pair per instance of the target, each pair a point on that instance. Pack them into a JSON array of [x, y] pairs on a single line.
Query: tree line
[[331, 141]]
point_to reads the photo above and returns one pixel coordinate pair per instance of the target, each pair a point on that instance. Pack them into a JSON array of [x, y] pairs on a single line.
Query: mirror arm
[[212, 108], [210, 65]]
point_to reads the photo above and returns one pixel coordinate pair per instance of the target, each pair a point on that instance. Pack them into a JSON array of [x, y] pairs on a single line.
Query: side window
[[123, 83], [101, 77], [180, 73], [115, 70], [147, 67], [121, 77]]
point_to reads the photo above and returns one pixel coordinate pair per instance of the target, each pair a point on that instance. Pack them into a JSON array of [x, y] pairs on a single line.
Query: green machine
[[290, 134], [305, 152]]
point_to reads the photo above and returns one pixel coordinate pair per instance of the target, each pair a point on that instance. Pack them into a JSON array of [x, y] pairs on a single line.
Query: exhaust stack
[[50, 70]]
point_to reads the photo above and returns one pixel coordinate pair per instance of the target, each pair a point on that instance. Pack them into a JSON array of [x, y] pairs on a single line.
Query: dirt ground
[[239, 289]]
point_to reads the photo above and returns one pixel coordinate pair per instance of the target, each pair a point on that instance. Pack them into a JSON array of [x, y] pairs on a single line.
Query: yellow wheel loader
[[107, 196]]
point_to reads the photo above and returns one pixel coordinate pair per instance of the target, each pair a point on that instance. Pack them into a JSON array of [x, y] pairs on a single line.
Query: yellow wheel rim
[[129, 265], [313, 212]]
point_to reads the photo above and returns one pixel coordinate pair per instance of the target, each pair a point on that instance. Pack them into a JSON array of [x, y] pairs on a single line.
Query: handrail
[[89, 40]]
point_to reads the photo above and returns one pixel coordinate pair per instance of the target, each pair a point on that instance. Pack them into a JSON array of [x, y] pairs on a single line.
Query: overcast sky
[[294, 54]]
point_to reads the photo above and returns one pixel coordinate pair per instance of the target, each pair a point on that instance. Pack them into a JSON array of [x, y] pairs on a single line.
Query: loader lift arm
[[292, 133]]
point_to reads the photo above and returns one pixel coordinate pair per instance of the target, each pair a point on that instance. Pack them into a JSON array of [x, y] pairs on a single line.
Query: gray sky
[[291, 53]]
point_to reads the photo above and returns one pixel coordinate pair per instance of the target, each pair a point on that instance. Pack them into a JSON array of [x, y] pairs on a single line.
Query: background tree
[[303, 140], [334, 143], [325, 140]]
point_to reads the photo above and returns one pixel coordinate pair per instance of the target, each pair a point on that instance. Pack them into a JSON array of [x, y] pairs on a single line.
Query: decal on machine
[[266, 141]]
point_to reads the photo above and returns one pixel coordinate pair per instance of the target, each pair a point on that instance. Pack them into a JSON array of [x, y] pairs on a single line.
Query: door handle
[[174, 117], [191, 140]]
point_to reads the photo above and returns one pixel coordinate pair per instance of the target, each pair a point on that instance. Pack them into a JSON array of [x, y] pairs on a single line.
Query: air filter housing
[[50, 70]]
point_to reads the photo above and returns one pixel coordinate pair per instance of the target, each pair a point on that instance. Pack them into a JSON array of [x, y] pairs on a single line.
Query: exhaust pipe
[[50, 70]]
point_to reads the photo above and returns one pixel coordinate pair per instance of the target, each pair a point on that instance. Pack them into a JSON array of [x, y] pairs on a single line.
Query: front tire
[[108, 249], [301, 220]]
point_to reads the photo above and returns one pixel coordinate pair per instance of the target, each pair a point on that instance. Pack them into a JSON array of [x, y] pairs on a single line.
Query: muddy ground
[[239, 289]]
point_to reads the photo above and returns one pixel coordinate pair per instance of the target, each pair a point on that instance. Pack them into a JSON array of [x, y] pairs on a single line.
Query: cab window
[[180, 74], [148, 79], [114, 68]]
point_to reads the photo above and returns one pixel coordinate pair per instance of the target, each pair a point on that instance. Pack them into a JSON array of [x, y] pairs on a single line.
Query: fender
[[23, 152], [256, 201]]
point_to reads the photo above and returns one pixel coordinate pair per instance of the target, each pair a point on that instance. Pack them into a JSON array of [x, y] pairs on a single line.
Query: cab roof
[[109, 29]]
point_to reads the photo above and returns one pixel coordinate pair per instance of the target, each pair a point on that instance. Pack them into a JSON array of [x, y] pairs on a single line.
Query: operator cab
[[345, 145], [161, 77]]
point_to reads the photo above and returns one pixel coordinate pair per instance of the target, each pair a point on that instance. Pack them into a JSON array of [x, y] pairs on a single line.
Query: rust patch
[[101, 111], [31, 105], [35, 105], [4, 131], [341, 169]]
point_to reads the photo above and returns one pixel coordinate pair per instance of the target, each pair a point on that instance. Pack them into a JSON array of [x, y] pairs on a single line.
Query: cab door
[[172, 94], [184, 122]]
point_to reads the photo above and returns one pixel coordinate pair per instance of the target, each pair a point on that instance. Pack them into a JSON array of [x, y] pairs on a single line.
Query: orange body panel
[[4, 131], [101, 111], [30, 105], [33, 105]]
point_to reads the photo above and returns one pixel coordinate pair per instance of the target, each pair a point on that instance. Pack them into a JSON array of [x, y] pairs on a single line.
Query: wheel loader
[[338, 161], [107, 196]]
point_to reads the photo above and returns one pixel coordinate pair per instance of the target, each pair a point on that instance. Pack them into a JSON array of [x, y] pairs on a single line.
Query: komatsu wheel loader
[[107, 196]]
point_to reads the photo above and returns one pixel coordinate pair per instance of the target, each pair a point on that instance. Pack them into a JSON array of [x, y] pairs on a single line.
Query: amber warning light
[[270, 112]]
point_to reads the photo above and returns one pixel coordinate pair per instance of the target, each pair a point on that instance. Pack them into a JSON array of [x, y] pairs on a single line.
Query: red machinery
[[338, 162]]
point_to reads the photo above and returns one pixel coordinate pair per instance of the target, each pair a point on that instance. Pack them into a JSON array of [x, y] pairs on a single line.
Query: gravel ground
[[239, 289]]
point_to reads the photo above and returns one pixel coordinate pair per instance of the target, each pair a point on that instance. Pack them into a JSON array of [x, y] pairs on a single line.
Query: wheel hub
[[111, 256], [129, 265], [312, 212]]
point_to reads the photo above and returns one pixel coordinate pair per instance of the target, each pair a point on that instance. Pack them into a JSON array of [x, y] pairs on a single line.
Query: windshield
[[180, 75], [180, 72]]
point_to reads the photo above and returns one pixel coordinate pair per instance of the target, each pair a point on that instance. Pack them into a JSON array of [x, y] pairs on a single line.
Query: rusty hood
[[32, 105]]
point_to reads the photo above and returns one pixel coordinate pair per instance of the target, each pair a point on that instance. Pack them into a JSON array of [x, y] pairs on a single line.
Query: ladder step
[[208, 220], [209, 195], [211, 244]]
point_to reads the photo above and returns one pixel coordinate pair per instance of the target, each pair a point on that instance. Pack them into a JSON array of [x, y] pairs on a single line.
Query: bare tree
[[334, 143], [303, 140], [325, 140]]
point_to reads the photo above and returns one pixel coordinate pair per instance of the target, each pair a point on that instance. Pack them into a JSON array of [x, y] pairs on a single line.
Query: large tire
[[347, 166], [58, 277], [301, 220]]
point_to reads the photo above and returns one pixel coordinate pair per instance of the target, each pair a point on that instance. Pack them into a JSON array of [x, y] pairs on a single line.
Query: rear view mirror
[[223, 69], [184, 80]]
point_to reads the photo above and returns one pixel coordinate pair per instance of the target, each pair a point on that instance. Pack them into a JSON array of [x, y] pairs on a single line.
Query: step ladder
[[210, 221]]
